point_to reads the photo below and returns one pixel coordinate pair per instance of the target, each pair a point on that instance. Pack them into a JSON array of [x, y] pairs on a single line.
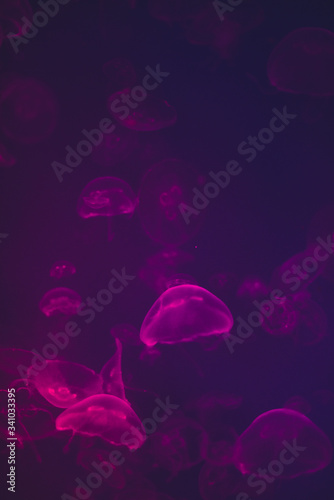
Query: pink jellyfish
[[28, 110], [60, 301], [283, 442], [63, 383], [184, 313], [6, 158], [111, 374], [146, 113], [106, 416], [166, 203], [62, 268], [302, 63], [252, 288], [107, 197]]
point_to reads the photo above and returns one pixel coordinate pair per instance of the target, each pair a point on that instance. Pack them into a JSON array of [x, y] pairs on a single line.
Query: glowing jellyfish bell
[[62, 268], [184, 313], [106, 197], [285, 438], [106, 416], [302, 63], [60, 301], [63, 383]]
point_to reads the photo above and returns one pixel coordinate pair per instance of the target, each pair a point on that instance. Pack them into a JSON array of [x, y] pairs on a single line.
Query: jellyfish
[[62, 268], [252, 288], [108, 197], [115, 147], [6, 158], [179, 444], [63, 383], [313, 323], [28, 110], [60, 301], [120, 74], [147, 112], [111, 374], [284, 319], [298, 403], [282, 439], [302, 63], [105, 416], [166, 203], [184, 313]]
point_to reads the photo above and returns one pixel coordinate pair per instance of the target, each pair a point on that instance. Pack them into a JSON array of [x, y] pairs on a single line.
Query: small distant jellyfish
[[184, 313], [146, 113], [302, 63], [62, 268], [6, 158], [106, 416], [63, 383], [284, 442], [252, 288], [283, 319], [60, 301], [165, 203], [28, 110], [107, 197]]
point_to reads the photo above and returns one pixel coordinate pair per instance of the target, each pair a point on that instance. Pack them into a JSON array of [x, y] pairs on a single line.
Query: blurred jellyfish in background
[[63, 383], [106, 416], [283, 318], [61, 269], [120, 74], [144, 113], [287, 439], [182, 314], [313, 323], [303, 63], [28, 110], [6, 158], [298, 403], [106, 197], [252, 288], [115, 147], [62, 301], [111, 374], [165, 187]]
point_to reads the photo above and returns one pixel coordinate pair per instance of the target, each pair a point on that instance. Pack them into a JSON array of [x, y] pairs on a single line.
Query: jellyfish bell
[[286, 436], [62, 268], [302, 63], [106, 416], [61, 300], [184, 313]]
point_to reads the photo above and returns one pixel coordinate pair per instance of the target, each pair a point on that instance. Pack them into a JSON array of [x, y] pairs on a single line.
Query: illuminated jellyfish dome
[[282, 440], [184, 313]]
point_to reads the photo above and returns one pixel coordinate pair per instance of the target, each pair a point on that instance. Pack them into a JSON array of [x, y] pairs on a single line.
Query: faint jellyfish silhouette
[[120, 74], [60, 301], [283, 318], [184, 313], [111, 374], [276, 433], [302, 63], [252, 288], [313, 324], [126, 333], [115, 147], [166, 203], [106, 416], [28, 110], [107, 197], [62, 268], [6, 158], [179, 444], [298, 403], [147, 112], [63, 383]]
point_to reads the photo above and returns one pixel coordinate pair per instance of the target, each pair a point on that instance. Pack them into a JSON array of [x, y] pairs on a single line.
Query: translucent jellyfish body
[[62, 268], [106, 416], [283, 440], [60, 301], [302, 63], [166, 203], [184, 313], [28, 110], [146, 113], [63, 383]]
